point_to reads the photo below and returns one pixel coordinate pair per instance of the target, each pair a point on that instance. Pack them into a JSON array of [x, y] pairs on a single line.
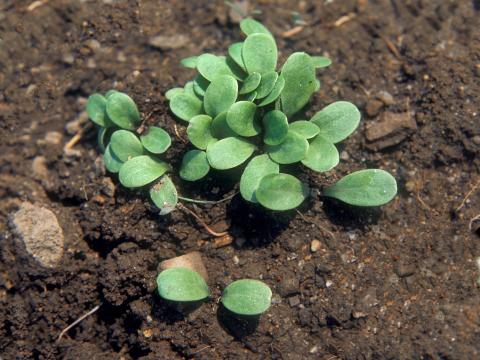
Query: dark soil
[[399, 282]]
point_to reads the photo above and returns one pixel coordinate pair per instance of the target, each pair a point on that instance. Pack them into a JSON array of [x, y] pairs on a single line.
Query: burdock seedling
[[181, 285], [247, 297], [241, 109]]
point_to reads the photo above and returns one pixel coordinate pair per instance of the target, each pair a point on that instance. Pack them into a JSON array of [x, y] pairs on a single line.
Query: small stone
[[294, 301], [386, 97], [53, 138], [192, 260], [476, 139], [236, 260], [404, 270], [68, 58], [289, 286], [359, 314], [93, 45], [74, 126], [323, 269], [108, 187], [344, 155], [373, 107], [315, 245], [164, 42]]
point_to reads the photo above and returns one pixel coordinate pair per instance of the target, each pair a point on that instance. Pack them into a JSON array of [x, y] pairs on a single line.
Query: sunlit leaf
[[241, 118], [210, 66], [250, 26], [173, 92], [275, 93], [194, 165], [256, 169], [307, 129], [125, 145], [156, 140], [97, 110], [322, 155], [181, 285], [121, 109], [259, 53], [141, 170], [229, 153], [189, 62], [186, 106], [164, 195], [199, 133], [281, 192], [291, 150], [247, 297], [235, 52], [321, 61], [220, 95]]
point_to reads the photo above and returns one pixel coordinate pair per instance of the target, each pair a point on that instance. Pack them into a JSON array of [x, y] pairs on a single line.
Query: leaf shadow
[[237, 326], [349, 216]]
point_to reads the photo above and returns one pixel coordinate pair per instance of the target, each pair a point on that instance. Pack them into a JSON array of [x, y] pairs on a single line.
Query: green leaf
[[185, 106], [299, 75], [173, 92], [190, 62], [267, 84], [251, 96], [121, 109], [317, 84], [307, 129], [188, 89], [281, 192], [110, 92], [250, 83], [259, 53], [103, 137], [241, 118], [164, 195], [141, 170], [229, 153], [275, 93], [275, 124], [220, 95], [247, 297], [210, 66], [220, 128], [322, 155], [112, 162], [337, 120], [256, 169], [194, 165], [181, 285], [198, 131], [156, 140], [321, 62], [235, 52], [250, 26], [371, 187], [125, 145], [237, 71], [96, 110], [291, 150], [200, 85]]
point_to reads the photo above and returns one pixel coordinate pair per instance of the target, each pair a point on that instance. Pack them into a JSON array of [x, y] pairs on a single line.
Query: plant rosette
[[136, 159], [242, 109]]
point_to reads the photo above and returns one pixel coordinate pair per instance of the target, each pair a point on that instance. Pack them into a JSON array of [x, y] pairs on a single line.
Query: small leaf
[[259, 53], [275, 124], [181, 285], [198, 131], [275, 93], [299, 75], [307, 129], [200, 85], [337, 120], [189, 62], [229, 153], [156, 140], [220, 95], [235, 52], [250, 83], [173, 92], [164, 195], [371, 187], [241, 118], [112, 162], [250, 26], [188, 89], [121, 109], [281, 192], [256, 169], [141, 170], [194, 165], [210, 66], [220, 128], [291, 150], [322, 155], [321, 62], [267, 84], [247, 297], [97, 110], [185, 106], [125, 145]]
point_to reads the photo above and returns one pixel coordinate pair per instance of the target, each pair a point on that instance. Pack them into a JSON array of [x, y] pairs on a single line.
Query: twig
[[199, 219], [208, 202], [76, 138], [78, 321], [469, 193], [391, 46], [178, 134]]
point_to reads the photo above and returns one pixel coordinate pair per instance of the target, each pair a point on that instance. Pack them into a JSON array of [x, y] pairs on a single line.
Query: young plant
[[247, 297], [241, 109], [135, 158], [181, 285]]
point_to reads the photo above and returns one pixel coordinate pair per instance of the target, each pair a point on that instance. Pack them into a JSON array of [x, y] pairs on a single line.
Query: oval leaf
[[220, 128], [250, 26], [276, 127], [194, 165], [97, 110], [220, 95], [267, 84], [259, 53], [291, 150], [189, 62], [210, 66], [121, 109], [170, 94], [181, 285], [247, 297], [304, 128], [337, 120], [156, 140], [110, 92], [256, 169], [112, 162], [322, 155], [235, 52], [125, 145], [277, 90], [371, 187], [185, 106], [321, 61], [229, 153], [281, 192], [164, 195], [250, 83], [198, 131], [141, 170], [188, 89], [241, 118]]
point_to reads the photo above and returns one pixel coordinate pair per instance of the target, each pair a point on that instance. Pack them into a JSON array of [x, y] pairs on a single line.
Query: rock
[[323, 269], [315, 245], [169, 42], [294, 301], [289, 286], [386, 97], [404, 270], [344, 155], [389, 130], [93, 45], [191, 261], [373, 107], [39, 231]]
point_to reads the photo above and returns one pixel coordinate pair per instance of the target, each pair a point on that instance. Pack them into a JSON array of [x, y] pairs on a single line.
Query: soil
[[398, 282]]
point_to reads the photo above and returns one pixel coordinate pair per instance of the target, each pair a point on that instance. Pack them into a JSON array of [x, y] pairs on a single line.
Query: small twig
[[208, 202], [64, 331], [204, 348], [293, 31], [344, 19], [469, 193], [76, 138], [199, 219], [175, 129], [36, 4], [391, 46]]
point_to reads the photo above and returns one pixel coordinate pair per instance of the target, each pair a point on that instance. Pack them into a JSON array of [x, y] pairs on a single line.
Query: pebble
[[294, 301], [373, 107], [404, 270], [386, 97], [93, 44], [289, 286], [53, 138], [171, 42], [315, 245], [344, 155], [108, 187], [192, 260], [40, 233], [476, 139]]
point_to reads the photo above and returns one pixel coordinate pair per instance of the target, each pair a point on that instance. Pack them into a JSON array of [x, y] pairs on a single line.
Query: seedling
[[181, 285], [135, 158], [247, 297], [242, 110]]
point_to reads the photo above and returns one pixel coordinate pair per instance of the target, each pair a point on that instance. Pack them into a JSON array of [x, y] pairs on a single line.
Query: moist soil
[[397, 282]]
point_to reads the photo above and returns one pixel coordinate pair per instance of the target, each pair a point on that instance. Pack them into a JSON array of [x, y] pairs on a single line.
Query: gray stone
[[289, 286]]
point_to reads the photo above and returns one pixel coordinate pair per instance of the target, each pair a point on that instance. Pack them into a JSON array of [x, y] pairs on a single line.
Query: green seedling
[[182, 285], [242, 109], [135, 158], [247, 297]]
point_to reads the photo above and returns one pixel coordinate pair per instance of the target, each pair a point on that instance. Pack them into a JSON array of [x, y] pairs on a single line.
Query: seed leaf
[[256, 169], [250, 26], [194, 165], [281, 192], [275, 124], [173, 92], [229, 153], [259, 53], [321, 62], [189, 62], [220, 128], [337, 120], [164, 195], [181, 285], [235, 53], [200, 85], [141, 170], [125, 145], [188, 89], [112, 162], [291, 150], [185, 106], [220, 95], [371, 187], [267, 84], [241, 118], [198, 131], [156, 140], [247, 297], [275, 93], [121, 109], [210, 66], [250, 83], [110, 92], [307, 129], [97, 110], [322, 155]]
